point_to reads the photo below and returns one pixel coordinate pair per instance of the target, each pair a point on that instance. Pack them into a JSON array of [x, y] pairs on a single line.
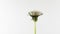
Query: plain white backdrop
[[14, 18]]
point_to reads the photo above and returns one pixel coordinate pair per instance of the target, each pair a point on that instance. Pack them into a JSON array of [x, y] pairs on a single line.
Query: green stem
[[35, 28]]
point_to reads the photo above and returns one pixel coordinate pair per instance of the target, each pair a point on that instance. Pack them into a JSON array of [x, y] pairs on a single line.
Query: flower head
[[35, 14]]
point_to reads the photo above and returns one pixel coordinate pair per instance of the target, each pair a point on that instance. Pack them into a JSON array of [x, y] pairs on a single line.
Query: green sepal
[[35, 18]]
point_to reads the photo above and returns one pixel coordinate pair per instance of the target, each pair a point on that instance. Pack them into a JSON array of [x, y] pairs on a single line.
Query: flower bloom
[[35, 13]]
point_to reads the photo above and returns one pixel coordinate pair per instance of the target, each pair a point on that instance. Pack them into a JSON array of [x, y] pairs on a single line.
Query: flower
[[35, 14]]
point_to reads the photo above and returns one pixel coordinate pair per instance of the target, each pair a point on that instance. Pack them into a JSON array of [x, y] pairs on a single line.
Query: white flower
[[35, 13]]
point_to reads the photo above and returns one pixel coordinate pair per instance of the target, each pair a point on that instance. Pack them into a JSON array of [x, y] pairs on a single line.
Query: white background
[[14, 18]]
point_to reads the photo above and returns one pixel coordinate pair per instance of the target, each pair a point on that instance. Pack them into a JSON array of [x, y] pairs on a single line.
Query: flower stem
[[35, 28]]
